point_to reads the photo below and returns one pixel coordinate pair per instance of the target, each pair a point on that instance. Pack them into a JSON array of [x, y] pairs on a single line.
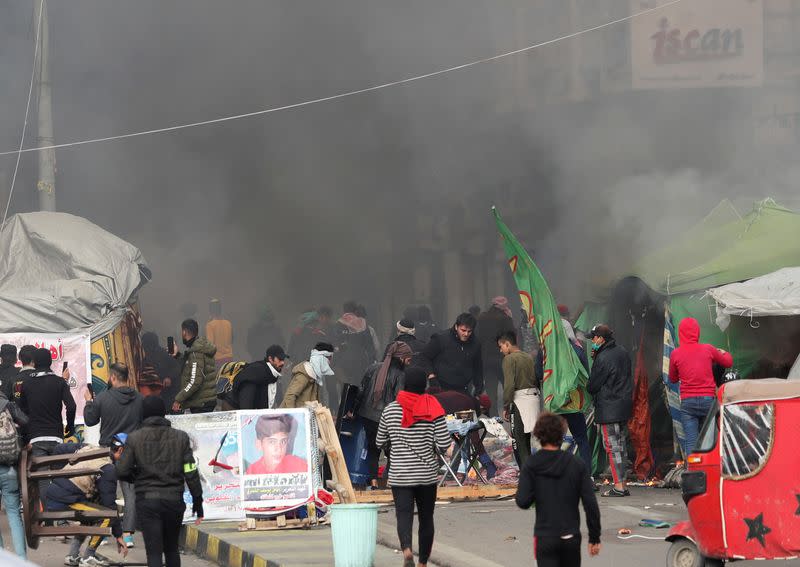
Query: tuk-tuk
[[742, 483]]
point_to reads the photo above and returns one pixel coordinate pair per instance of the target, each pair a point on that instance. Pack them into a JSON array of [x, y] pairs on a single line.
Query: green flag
[[564, 379]]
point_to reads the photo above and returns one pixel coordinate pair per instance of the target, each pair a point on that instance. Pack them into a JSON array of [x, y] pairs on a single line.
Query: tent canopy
[[61, 273], [777, 293], [725, 248]]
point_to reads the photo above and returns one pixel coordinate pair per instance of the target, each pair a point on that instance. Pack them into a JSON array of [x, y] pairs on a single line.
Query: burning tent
[[679, 281], [61, 274]]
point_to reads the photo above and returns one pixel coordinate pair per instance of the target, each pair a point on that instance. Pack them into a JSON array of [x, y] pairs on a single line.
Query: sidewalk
[[224, 544]]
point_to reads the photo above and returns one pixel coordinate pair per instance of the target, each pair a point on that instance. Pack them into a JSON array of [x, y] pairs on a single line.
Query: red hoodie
[[691, 363]]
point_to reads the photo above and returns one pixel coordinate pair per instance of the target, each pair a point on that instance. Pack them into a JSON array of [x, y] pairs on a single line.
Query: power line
[[344, 94], [27, 112]]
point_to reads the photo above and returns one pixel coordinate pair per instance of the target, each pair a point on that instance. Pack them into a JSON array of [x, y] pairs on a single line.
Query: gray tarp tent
[[61, 273]]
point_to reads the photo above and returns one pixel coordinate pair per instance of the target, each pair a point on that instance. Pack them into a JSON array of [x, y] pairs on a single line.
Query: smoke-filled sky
[[321, 204]]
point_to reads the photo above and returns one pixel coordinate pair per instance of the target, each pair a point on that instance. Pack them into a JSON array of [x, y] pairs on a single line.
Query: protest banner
[[275, 458], [71, 348], [215, 443]]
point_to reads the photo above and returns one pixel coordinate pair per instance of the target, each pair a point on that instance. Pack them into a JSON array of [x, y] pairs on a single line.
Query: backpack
[[9, 436], [225, 377]]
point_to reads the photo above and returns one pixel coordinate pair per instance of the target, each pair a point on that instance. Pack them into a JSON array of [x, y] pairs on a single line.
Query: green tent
[[725, 248]]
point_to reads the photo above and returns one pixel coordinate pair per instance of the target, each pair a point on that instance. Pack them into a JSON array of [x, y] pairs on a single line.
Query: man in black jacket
[[42, 398], [8, 369], [611, 385], [160, 460], [492, 323], [555, 481], [453, 357], [255, 385], [117, 410]]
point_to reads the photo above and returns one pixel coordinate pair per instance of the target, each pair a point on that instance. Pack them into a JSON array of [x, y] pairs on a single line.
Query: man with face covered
[[274, 436], [453, 358], [309, 377]]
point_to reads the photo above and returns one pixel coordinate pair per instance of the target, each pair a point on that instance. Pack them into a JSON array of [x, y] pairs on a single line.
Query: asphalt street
[[498, 534]]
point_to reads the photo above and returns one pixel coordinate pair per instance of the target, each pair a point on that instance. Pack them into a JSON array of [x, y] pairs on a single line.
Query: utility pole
[[46, 185]]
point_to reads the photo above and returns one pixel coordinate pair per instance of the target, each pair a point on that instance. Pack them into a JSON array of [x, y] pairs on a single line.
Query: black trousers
[[373, 453], [404, 499], [557, 552], [521, 440], [43, 449], [161, 521], [208, 407]]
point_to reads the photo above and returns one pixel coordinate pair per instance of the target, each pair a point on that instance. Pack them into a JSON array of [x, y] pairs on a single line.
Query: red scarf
[[418, 407]]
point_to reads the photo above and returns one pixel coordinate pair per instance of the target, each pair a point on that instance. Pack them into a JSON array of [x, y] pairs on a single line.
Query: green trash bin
[[354, 528]]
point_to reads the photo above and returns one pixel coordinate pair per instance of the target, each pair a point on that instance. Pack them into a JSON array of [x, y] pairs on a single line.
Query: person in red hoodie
[[691, 364]]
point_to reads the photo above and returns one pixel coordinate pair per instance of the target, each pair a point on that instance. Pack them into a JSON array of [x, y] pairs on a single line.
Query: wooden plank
[[451, 493], [68, 458], [255, 524], [78, 514], [45, 531], [330, 438], [63, 473]]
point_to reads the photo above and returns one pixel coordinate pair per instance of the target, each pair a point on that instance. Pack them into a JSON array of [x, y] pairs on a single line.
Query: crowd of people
[[482, 363]]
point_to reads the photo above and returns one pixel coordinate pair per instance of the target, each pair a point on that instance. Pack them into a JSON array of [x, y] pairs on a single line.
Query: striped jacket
[[413, 459]]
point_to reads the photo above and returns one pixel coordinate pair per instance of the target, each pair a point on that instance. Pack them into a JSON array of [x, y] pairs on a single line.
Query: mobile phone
[[64, 366], [171, 345]]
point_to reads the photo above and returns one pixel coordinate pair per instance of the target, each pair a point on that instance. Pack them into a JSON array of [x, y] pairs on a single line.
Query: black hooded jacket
[[456, 364], [118, 410], [611, 384], [554, 481], [251, 386]]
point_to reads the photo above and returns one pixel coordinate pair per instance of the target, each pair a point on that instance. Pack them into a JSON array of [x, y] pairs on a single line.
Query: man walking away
[[43, 398], [309, 377], [78, 493], [160, 459], [198, 391], [379, 388], [491, 324], [425, 327], [8, 370], [453, 357], [406, 333], [611, 385], [255, 385], [157, 361], [415, 427], [521, 398], [117, 410], [691, 364], [361, 311], [555, 481]]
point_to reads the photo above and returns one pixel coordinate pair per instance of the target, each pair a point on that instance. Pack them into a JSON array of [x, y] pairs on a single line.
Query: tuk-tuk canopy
[[763, 390]]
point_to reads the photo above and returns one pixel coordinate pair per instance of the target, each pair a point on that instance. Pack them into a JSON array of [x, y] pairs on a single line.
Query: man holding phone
[[198, 391]]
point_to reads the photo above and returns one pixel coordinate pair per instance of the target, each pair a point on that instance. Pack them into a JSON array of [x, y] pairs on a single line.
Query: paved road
[[51, 553], [498, 534]]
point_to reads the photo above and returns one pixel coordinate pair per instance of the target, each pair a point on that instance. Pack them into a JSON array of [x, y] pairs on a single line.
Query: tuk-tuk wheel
[[684, 553]]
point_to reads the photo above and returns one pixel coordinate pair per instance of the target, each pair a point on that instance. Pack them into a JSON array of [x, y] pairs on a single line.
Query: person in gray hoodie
[[117, 410]]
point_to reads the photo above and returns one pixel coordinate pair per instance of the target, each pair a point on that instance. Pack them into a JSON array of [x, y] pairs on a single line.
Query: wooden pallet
[[278, 523], [451, 493]]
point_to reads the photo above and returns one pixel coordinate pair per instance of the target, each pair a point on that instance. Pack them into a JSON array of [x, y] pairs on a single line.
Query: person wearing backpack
[[11, 420], [254, 386], [117, 410]]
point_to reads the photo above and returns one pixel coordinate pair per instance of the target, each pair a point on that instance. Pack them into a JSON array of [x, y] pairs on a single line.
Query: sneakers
[[72, 560], [128, 539], [614, 493], [93, 561]]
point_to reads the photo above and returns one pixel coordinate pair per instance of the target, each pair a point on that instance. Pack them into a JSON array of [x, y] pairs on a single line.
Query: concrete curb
[[212, 548]]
